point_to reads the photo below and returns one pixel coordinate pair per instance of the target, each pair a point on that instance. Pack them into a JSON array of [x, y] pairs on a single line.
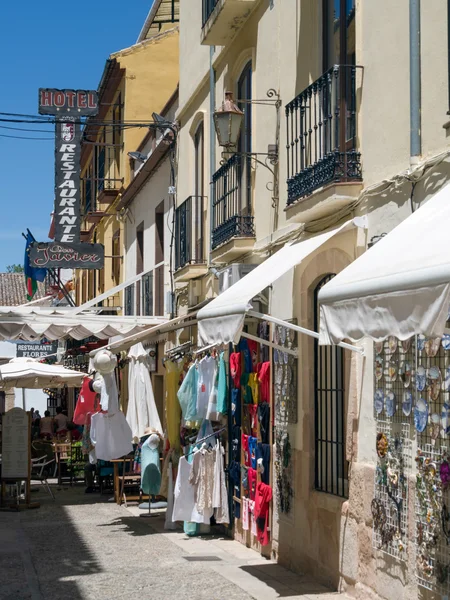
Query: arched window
[[331, 466]]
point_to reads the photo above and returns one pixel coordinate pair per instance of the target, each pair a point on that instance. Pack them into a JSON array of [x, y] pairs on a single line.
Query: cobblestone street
[[83, 548]]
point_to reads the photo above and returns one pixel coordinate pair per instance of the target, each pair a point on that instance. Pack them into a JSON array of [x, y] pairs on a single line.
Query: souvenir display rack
[[393, 406], [432, 464], [285, 369]]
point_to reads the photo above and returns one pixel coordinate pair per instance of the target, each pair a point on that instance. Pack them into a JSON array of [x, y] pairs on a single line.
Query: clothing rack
[[205, 438]]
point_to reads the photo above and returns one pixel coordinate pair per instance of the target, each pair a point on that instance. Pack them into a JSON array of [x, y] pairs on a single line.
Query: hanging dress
[[173, 409]]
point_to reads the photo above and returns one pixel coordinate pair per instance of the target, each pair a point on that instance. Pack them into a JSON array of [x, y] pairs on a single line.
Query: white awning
[[222, 320], [31, 374], [399, 287], [34, 323]]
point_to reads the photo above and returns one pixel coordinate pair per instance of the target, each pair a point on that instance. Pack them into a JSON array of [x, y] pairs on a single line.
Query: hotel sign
[[80, 103]]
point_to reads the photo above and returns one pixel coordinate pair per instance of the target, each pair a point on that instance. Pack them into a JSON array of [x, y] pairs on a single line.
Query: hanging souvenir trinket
[[421, 343], [444, 473], [379, 347], [445, 419], [421, 378], [407, 403], [435, 426], [432, 346], [379, 364], [434, 382], [447, 380], [421, 415], [405, 373], [392, 370], [406, 344], [382, 445], [446, 341], [390, 404], [392, 344], [378, 401]]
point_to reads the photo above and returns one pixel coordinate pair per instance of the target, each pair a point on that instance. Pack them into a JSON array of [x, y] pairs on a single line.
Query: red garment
[[251, 474], [235, 368], [87, 402], [262, 501], [253, 348], [245, 450], [253, 413], [263, 370]]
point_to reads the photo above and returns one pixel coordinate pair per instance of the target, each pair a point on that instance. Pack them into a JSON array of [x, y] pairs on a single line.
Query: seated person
[[61, 422], [46, 426]]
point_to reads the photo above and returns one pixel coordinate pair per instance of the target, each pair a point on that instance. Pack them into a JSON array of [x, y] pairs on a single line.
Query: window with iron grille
[[129, 300], [331, 466], [147, 294]]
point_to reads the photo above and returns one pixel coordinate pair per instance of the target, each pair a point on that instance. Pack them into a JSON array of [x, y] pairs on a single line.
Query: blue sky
[[43, 44]]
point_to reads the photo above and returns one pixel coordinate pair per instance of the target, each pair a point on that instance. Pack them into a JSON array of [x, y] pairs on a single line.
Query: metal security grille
[[331, 467]]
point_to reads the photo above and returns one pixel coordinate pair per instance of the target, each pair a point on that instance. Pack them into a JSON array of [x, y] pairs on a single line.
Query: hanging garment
[[253, 418], [141, 412], [264, 421], [150, 469], [263, 370], [87, 402], [251, 475], [110, 433], [222, 386], [246, 390], [184, 508], [206, 376], [252, 442], [243, 347], [202, 478], [236, 405], [169, 523], [235, 368], [263, 333], [164, 489], [212, 412], [187, 394], [254, 529], [253, 347], [220, 496], [236, 443], [173, 409], [245, 448], [263, 458], [245, 514], [262, 502], [254, 387], [137, 458], [86, 444]]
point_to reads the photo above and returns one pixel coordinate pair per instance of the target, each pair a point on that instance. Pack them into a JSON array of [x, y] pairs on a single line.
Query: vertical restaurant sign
[[68, 106], [67, 181]]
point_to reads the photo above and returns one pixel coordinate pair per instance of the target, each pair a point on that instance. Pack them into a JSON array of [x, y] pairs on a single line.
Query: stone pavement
[[82, 547]]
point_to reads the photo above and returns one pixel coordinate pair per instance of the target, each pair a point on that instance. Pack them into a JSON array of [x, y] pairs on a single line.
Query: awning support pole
[[309, 332], [270, 344]]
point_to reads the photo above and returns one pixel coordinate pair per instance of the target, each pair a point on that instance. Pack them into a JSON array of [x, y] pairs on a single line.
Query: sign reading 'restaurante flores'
[[68, 106]]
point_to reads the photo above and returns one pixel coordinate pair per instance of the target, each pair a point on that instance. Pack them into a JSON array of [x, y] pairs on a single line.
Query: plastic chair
[[39, 472]]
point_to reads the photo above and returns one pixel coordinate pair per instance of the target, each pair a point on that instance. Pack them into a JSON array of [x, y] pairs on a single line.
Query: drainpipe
[[415, 82], [212, 144]]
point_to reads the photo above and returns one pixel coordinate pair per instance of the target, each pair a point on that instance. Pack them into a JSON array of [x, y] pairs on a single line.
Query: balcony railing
[[108, 168], [322, 134], [232, 207], [189, 239], [207, 8]]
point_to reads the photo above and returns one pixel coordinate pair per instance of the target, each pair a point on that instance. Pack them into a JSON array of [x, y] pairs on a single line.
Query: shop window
[[331, 466]]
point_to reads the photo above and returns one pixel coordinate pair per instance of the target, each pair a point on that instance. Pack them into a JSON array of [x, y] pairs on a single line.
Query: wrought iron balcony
[[322, 134], [232, 205], [189, 238]]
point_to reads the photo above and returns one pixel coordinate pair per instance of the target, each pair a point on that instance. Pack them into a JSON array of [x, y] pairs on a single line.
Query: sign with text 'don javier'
[[79, 255]]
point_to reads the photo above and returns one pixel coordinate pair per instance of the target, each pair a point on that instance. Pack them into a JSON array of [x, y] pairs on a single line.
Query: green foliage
[[14, 269]]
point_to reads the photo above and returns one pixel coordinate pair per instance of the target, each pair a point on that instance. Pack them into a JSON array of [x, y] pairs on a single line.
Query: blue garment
[[248, 363], [252, 442], [236, 405], [150, 469], [263, 451], [187, 394], [222, 387]]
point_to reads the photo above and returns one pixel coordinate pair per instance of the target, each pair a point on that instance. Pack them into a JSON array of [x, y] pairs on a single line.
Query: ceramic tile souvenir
[[283, 335], [434, 382], [379, 364], [392, 370], [406, 345], [382, 445], [405, 373], [379, 347], [435, 424], [291, 336], [392, 344], [447, 380], [445, 419], [378, 401], [421, 415], [421, 378], [286, 357], [390, 404], [407, 403], [276, 335], [421, 343], [432, 346], [446, 341], [275, 355]]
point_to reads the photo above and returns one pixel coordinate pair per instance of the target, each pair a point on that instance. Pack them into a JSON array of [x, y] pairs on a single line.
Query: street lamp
[[227, 121]]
